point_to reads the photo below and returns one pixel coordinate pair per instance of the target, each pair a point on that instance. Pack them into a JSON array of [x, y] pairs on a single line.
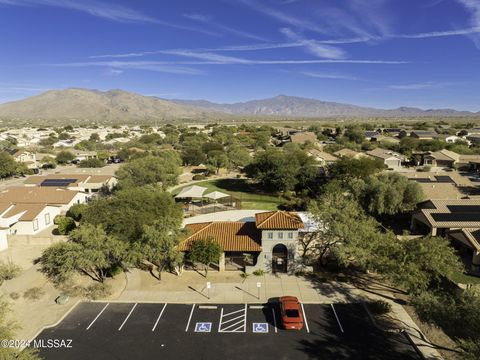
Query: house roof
[[346, 152], [435, 177], [302, 137], [37, 195], [440, 191], [445, 155], [30, 211], [384, 154], [322, 155], [462, 213], [232, 236], [278, 220], [424, 133]]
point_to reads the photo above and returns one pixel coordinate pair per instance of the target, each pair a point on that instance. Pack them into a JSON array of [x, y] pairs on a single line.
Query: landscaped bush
[[199, 177], [8, 271], [76, 211], [380, 307], [91, 163], [14, 295], [64, 224], [259, 272], [33, 293]]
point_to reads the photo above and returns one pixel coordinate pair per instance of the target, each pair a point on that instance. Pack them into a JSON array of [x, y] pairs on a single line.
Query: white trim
[[305, 318], [190, 317], [130, 313], [159, 316], [100, 313]]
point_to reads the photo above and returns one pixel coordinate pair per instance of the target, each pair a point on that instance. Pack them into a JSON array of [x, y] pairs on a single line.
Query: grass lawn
[[462, 278], [250, 196]]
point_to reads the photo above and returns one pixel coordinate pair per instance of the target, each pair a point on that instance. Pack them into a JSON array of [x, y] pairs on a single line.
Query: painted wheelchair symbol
[[203, 327], [260, 327]]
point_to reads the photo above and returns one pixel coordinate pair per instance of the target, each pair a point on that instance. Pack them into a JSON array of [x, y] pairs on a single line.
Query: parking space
[[222, 331]]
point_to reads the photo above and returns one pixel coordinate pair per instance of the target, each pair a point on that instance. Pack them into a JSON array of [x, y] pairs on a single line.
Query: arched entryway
[[279, 258]]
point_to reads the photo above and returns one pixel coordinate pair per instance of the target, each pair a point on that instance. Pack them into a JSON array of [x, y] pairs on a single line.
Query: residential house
[[303, 137], [389, 158], [268, 243], [424, 134], [442, 158], [349, 153], [458, 220], [26, 157], [87, 183], [370, 135], [322, 157]]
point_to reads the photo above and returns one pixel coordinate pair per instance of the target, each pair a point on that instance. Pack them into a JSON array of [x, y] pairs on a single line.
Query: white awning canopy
[[193, 191], [216, 195]]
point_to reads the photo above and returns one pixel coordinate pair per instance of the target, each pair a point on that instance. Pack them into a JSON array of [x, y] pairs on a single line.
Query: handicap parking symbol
[[260, 327], [203, 327]]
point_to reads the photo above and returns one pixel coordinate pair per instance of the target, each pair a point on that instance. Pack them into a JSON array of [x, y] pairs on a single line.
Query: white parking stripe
[[274, 319], [336, 317], [232, 319], [159, 316], [233, 312], [305, 318], [96, 317], [220, 321], [232, 325], [245, 323], [190, 318], [130, 313]]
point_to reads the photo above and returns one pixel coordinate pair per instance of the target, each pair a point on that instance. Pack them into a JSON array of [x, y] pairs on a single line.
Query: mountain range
[[118, 106]]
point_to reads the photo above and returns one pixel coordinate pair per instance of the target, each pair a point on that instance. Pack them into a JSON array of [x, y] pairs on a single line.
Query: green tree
[[127, 212], [94, 137], [206, 252], [423, 262], [346, 234], [64, 157], [8, 165], [64, 224], [91, 163], [76, 211], [163, 170], [89, 251], [348, 168], [193, 155], [388, 194], [218, 159], [158, 245], [238, 156]]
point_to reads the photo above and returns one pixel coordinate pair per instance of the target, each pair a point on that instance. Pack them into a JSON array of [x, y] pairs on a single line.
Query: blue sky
[[381, 53]]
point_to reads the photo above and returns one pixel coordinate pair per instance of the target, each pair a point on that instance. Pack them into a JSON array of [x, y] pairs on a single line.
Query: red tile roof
[[278, 220], [232, 236]]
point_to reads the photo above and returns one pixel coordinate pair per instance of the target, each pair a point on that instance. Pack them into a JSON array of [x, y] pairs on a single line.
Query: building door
[[279, 258]]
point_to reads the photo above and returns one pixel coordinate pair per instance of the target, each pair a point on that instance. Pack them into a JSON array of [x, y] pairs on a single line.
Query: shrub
[[14, 295], [199, 177], [33, 293], [259, 272], [64, 224], [115, 270], [76, 211], [97, 291], [244, 275], [380, 307], [8, 271], [91, 163], [64, 157]]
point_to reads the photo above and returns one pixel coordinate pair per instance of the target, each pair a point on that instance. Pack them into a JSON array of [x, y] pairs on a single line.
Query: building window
[[280, 235], [47, 219], [270, 235], [35, 225], [290, 235]]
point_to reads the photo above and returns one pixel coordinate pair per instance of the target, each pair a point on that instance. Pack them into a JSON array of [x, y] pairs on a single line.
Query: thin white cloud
[[313, 47], [207, 20], [156, 66], [284, 17], [327, 75], [112, 12], [473, 7], [433, 34], [415, 86]]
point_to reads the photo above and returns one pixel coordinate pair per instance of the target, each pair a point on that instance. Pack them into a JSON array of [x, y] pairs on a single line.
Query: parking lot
[[224, 331]]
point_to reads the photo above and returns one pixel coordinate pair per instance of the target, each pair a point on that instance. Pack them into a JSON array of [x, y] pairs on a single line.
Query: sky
[[378, 53]]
